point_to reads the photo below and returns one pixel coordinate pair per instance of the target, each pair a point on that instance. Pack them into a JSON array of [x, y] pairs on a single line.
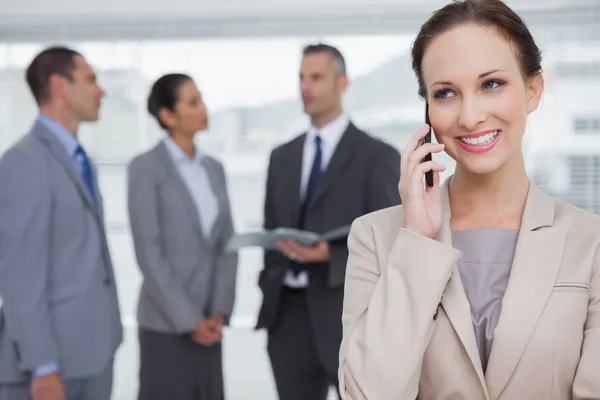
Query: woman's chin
[[481, 166]]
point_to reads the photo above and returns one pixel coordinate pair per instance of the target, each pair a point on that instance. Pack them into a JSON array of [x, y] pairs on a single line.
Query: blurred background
[[244, 56]]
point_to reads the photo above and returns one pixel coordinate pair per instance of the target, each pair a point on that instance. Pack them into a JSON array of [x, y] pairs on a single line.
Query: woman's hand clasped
[[421, 204]]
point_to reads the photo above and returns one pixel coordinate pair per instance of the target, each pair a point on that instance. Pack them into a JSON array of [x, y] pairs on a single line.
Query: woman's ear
[[166, 117], [535, 89]]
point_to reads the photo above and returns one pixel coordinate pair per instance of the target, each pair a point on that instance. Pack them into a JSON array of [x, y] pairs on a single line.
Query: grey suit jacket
[[56, 276], [361, 177], [186, 276]]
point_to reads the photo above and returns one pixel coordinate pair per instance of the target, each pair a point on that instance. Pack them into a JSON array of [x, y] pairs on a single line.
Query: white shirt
[[330, 137], [194, 175]]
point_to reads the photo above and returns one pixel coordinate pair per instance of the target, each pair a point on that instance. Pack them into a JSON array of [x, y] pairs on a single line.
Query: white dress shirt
[[330, 136], [196, 179]]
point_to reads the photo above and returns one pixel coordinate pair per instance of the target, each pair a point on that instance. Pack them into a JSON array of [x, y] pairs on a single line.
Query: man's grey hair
[[337, 59]]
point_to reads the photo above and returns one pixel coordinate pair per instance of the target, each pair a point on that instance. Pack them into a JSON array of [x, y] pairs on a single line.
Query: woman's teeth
[[481, 140]]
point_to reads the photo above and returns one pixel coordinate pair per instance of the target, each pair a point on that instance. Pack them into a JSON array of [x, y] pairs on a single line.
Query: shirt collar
[[178, 155], [332, 132], [64, 136]]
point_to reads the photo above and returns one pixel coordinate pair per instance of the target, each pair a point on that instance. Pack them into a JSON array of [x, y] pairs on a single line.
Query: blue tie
[[86, 171], [313, 179]]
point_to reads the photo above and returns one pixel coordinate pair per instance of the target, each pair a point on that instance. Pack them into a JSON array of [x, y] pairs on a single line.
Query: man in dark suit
[[319, 181]]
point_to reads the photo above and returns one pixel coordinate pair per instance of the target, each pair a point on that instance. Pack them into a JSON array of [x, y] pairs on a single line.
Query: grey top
[[485, 265]]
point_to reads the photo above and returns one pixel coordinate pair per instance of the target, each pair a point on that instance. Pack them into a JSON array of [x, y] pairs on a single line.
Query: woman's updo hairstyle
[[493, 13], [165, 94]]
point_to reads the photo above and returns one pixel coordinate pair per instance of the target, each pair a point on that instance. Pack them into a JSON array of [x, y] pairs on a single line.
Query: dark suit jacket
[[361, 177]]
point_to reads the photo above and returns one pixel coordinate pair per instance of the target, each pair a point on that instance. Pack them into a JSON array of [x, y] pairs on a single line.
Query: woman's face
[[190, 110], [478, 98]]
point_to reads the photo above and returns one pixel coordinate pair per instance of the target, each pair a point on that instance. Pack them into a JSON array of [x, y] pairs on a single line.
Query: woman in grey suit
[[181, 221]]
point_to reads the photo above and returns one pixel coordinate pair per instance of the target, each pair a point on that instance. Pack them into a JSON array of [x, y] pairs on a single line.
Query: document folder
[[268, 239]]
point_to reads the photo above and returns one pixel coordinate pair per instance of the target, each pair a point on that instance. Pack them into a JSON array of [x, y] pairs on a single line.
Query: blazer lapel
[[186, 197], [534, 271], [341, 156], [59, 153], [295, 181], [99, 200], [220, 191], [454, 300]]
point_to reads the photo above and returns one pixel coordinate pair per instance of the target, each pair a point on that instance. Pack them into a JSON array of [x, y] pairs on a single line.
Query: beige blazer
[[407, 324]]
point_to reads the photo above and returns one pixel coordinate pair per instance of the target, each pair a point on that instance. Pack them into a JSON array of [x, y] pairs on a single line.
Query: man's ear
[[343, 83], [57, 85]]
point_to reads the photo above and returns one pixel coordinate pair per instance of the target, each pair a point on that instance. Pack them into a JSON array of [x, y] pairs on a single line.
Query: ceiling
[[35, 20]]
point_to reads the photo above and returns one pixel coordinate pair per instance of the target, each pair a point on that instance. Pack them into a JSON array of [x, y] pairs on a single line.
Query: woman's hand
[[421, 204], [207, 332]]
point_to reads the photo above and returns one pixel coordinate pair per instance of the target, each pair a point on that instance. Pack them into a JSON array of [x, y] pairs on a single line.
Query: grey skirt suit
[[187, 274]]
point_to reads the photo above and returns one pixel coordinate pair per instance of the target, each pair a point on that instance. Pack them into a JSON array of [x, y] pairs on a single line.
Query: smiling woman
[[446, 295]]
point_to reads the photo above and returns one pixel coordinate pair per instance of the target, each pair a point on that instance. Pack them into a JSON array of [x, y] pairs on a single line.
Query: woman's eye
[[443, 94], [492, 84]]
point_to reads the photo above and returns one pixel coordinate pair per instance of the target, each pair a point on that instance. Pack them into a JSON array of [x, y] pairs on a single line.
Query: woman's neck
[[185, 143], [489, 200]]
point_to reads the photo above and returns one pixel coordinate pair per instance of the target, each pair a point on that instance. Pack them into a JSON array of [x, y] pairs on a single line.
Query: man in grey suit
[[319, 181], [60, 324]]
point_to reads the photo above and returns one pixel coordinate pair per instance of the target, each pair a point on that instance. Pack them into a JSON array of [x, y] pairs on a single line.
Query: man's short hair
[[53, 60], [337, 59]]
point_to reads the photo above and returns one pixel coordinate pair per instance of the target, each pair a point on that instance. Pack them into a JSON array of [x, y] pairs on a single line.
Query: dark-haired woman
[[181, 221], [483, 287]]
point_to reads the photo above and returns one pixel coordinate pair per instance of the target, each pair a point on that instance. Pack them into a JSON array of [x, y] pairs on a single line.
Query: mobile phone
[[428, 174]]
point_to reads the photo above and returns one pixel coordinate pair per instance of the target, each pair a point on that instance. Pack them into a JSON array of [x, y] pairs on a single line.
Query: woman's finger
[[419, 135], [436, 183], [412, 144], [418, 175], [416, 157]]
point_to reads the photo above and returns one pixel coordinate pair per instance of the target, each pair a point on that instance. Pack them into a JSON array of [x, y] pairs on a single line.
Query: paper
[[268, 239]]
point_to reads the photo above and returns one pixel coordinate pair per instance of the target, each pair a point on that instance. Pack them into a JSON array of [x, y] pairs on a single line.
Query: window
[[585, 182], [587, 125], [579, 70]]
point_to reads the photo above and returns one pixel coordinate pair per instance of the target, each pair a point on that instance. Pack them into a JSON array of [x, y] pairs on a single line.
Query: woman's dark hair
[[492, 13], [165, 94]]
